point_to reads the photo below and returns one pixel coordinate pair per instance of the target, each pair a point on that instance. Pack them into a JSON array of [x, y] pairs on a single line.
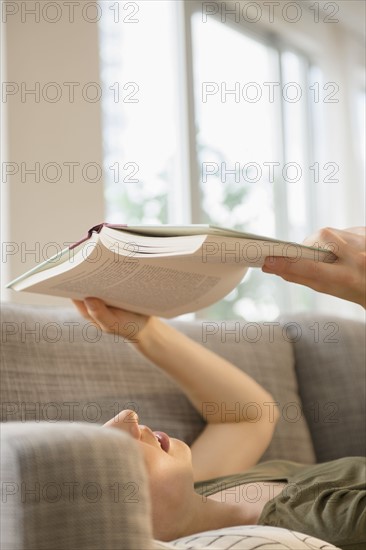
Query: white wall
[[36, 214]]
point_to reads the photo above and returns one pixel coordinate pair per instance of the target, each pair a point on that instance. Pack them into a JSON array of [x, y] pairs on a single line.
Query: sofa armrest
[[73, 486]]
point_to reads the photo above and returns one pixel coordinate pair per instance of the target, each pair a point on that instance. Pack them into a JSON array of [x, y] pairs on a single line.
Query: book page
[[63, 261], [252, 252], [175, 239], [166, 287], [127, 244]]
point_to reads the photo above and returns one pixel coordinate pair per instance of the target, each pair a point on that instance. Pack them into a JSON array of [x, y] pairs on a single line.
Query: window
[[214, 124], [140, 112]]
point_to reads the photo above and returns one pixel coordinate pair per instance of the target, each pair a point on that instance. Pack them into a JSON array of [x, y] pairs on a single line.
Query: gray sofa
[[68, 484]]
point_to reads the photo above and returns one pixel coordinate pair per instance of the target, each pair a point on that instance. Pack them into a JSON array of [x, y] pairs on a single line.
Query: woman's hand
[[346, 278], [113, 320]]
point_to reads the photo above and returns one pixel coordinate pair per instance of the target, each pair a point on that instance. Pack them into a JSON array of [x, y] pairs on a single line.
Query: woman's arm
[[237, 433], [240, 414], [206, 378]]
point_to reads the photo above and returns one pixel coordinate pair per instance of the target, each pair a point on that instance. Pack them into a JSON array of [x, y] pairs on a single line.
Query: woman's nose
[[126, 420]]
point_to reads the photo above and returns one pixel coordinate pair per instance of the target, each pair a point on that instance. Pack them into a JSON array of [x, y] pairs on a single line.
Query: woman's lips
[[163, 439]]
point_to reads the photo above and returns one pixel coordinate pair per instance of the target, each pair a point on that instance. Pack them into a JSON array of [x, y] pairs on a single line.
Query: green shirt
[[326, 500]]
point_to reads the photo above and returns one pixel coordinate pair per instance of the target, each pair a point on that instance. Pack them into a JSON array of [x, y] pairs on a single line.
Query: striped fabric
[[247, 537]]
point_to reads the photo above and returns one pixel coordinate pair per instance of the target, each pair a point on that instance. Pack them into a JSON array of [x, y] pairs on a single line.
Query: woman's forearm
[[209, 381]]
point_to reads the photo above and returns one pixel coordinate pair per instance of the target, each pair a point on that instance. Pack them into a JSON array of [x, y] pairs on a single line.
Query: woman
[[327, 500]]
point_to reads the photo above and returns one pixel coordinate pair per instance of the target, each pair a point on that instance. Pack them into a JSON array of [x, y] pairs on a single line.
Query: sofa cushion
[[57, 367], [331, 370]]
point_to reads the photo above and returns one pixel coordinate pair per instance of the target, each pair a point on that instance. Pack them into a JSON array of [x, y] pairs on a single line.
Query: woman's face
[[158, 449], [169, 466]]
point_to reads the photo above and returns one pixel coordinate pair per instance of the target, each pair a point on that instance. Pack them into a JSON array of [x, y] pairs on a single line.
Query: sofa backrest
[[56, 366]]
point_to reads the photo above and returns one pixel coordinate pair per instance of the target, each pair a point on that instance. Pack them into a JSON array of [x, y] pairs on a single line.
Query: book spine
[[97, 229]]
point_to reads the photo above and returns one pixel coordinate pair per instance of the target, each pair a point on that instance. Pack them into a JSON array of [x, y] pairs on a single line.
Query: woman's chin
[[179, 449]]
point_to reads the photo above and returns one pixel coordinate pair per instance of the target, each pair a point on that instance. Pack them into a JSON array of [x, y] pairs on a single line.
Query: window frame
[[185, 12]]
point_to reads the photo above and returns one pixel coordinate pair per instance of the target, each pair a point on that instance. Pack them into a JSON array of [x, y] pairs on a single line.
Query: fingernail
[[270, 262], [91, 303]]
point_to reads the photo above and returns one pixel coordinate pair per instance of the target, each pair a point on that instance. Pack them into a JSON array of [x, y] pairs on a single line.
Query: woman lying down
[[196, 489]]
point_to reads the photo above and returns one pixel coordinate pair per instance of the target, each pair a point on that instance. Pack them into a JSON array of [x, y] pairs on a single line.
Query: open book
[[159, 270]]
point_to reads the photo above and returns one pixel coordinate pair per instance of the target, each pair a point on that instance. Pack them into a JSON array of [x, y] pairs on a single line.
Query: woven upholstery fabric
[[247, 537], [65, 370], [72, 486], [331, 371]]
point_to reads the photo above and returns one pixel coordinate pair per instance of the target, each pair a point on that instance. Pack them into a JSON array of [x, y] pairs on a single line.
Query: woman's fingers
[[112, 320], [338, 241], [95, 311], [81, 307], [356, 230], [345, 278], [101, 314], [322, 277], [298, 270]]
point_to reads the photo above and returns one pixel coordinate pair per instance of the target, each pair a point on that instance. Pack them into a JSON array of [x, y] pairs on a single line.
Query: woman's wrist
[[149, 334]]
